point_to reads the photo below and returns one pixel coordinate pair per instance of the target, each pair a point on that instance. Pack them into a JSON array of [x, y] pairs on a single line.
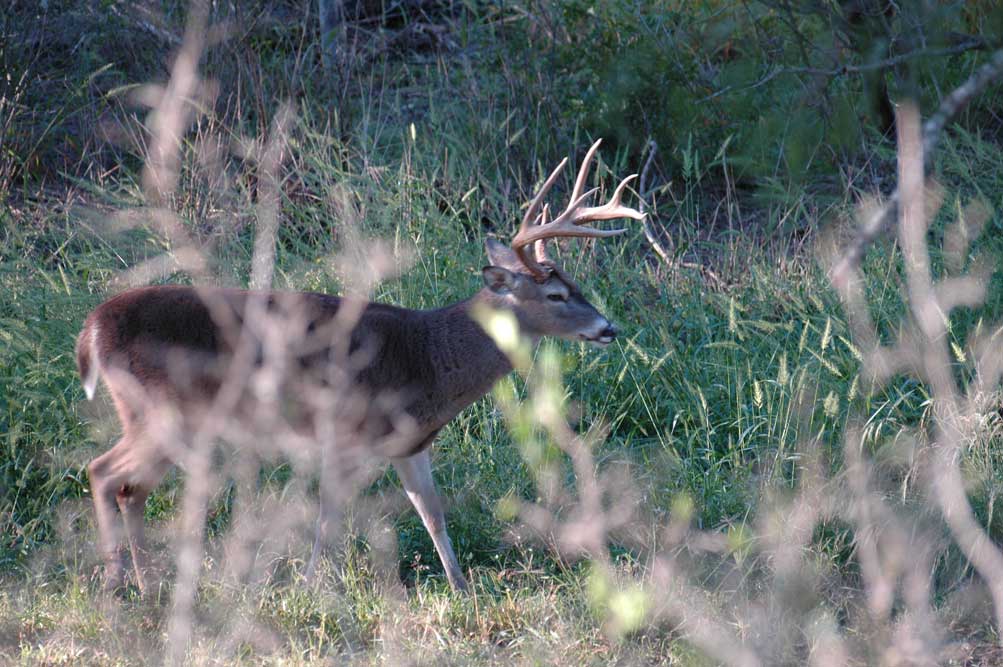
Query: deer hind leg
[[131, 502], [415, 473], [131, 499], [123, 477], [109, 531]]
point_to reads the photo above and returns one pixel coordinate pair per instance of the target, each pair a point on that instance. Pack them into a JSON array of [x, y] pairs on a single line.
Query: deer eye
[[557, 297]]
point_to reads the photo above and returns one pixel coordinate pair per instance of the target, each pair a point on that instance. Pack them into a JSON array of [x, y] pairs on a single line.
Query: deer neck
[[466, 359]]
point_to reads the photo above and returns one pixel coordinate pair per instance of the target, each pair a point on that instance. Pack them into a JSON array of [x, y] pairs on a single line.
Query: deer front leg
[[332, 480], [328, 517], [415, 473]]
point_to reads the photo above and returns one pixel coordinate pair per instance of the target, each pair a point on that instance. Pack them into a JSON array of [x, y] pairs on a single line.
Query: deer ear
[[500, 254], [499, 280]]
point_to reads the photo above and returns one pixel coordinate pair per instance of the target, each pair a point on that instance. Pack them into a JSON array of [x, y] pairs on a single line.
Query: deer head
[[545, 299]]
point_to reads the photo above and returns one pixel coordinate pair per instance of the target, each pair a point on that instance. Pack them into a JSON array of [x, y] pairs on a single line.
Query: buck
[[175, 348]]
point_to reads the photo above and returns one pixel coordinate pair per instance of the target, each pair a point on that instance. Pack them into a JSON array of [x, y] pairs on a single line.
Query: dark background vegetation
[[434, 123]]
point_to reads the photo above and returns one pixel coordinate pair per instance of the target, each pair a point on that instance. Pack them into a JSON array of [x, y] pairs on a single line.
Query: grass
[[717, 399]]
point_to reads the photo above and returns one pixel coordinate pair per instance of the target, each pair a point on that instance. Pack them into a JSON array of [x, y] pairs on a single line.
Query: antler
[[535, 228]]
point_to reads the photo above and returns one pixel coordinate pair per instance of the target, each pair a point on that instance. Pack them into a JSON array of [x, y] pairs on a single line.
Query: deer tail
[[87, 358]]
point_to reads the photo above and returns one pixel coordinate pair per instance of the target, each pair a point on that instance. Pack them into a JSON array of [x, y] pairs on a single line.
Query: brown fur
[[167, 340]]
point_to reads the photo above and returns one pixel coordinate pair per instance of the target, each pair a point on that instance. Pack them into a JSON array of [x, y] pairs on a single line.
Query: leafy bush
[[788, 88]]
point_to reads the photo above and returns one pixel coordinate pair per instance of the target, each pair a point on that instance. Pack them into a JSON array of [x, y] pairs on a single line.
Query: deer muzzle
[[602, 334]]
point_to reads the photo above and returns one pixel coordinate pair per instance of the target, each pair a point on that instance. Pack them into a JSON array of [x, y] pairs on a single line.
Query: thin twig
[[649, 231], [146, 24], [643, 193], [843, 70]]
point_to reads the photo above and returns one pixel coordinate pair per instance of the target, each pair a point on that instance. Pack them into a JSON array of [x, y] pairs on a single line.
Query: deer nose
[[608, 334]]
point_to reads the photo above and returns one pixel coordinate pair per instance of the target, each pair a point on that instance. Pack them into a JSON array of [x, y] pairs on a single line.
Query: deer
[[175, 347]]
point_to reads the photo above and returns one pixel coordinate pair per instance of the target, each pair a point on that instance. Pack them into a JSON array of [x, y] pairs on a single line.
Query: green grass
[[717, 398]]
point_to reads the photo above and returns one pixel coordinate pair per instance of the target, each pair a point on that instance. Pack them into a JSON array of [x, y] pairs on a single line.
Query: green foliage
[[792, 88]]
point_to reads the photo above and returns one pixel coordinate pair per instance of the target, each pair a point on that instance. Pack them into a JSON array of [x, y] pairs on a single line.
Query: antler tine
[[610, 210], [540, 247], [534, 205], [583, 172], [531, 221]]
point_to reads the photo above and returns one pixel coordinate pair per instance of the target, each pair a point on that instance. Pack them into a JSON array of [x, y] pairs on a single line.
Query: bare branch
[[950, 106], [962, 47]]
